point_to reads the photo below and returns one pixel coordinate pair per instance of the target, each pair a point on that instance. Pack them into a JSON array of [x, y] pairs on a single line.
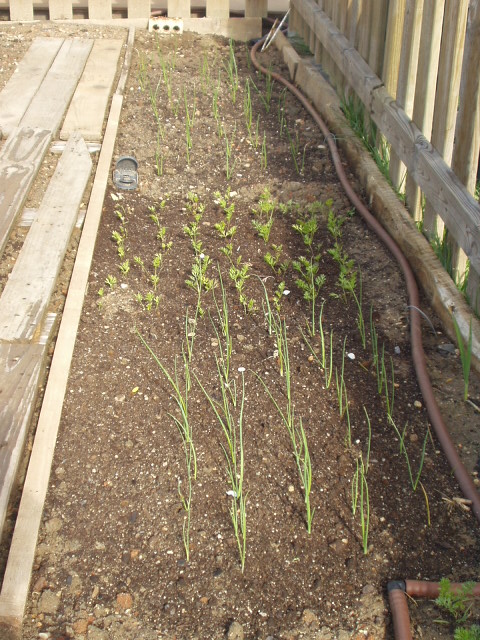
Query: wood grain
[[25, 82], [20, 160], [87, 109], [26, 295]]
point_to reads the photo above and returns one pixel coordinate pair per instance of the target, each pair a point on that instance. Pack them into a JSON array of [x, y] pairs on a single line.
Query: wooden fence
[[415, 66], [27, 10]]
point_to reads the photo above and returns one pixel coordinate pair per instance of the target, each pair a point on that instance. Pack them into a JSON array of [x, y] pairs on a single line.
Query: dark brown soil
[[111, 562]]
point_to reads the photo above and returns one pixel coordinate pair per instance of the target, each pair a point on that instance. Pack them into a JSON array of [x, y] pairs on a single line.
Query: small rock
[[40, 585], [240, 337], [447, 349], [235, 631], [124, 600], [309, 618], [291, 488], [48, 602], [417, 404], [80, 626], [53, 525]]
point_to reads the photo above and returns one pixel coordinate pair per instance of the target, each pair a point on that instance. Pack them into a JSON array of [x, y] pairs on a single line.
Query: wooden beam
[[27, 293], [48, 106], [20, 160], [25, 82], [87, 109], [17, 575], [20, 370]]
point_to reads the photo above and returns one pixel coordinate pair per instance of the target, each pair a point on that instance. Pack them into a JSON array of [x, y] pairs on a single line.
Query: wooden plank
[[377, 36], [407, 76], [138, 8], [393, 49], [20, 160], [178, 9], [467, 132], [21, 10], [426, 86], [100, 9], [86, 112], [60, 10], [24, 83], [256, 8], [16, 579], [446, 100], [218, 9], [26, 295], [47, 108], [20, 369]]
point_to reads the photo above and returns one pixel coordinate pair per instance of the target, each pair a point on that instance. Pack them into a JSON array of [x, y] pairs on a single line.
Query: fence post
[[256, 8], [60, 10], [138, 8], [100, 9], [467, 133], [21, 10]]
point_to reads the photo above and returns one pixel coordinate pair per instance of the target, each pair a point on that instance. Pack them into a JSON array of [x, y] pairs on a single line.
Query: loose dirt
[[111, 560]]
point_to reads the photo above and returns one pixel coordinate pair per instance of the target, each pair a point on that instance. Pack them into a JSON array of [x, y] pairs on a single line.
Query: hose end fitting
[[396, 585]]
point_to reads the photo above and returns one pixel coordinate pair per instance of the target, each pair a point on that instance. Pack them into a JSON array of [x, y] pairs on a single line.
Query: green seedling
[[124, 267], [465, 354], [229, 161], [232, 428], [224, 340], [294, 146], [111, 281], [232, 71], [247, 108], [458, 602], [184, 427], [310, 282], [264, 157], [297, 433], [273, 259], [360, 492]]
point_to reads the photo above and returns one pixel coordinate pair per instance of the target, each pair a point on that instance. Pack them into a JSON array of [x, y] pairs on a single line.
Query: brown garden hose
[[461, 474], [398, 591]]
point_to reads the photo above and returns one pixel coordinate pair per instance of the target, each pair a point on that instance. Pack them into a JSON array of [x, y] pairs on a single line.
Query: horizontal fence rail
[[27, 10], [415, 67]]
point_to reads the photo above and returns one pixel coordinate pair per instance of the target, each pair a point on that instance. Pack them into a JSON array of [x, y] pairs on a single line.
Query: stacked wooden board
[[56, 77]]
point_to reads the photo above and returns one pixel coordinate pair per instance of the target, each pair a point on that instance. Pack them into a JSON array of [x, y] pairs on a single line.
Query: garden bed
[[120, 555]]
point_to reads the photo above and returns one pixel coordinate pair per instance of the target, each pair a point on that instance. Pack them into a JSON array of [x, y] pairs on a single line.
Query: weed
[[465, 355]]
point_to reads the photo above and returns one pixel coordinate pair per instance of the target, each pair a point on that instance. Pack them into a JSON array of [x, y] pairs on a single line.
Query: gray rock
[[235, 631], [48, 602]]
